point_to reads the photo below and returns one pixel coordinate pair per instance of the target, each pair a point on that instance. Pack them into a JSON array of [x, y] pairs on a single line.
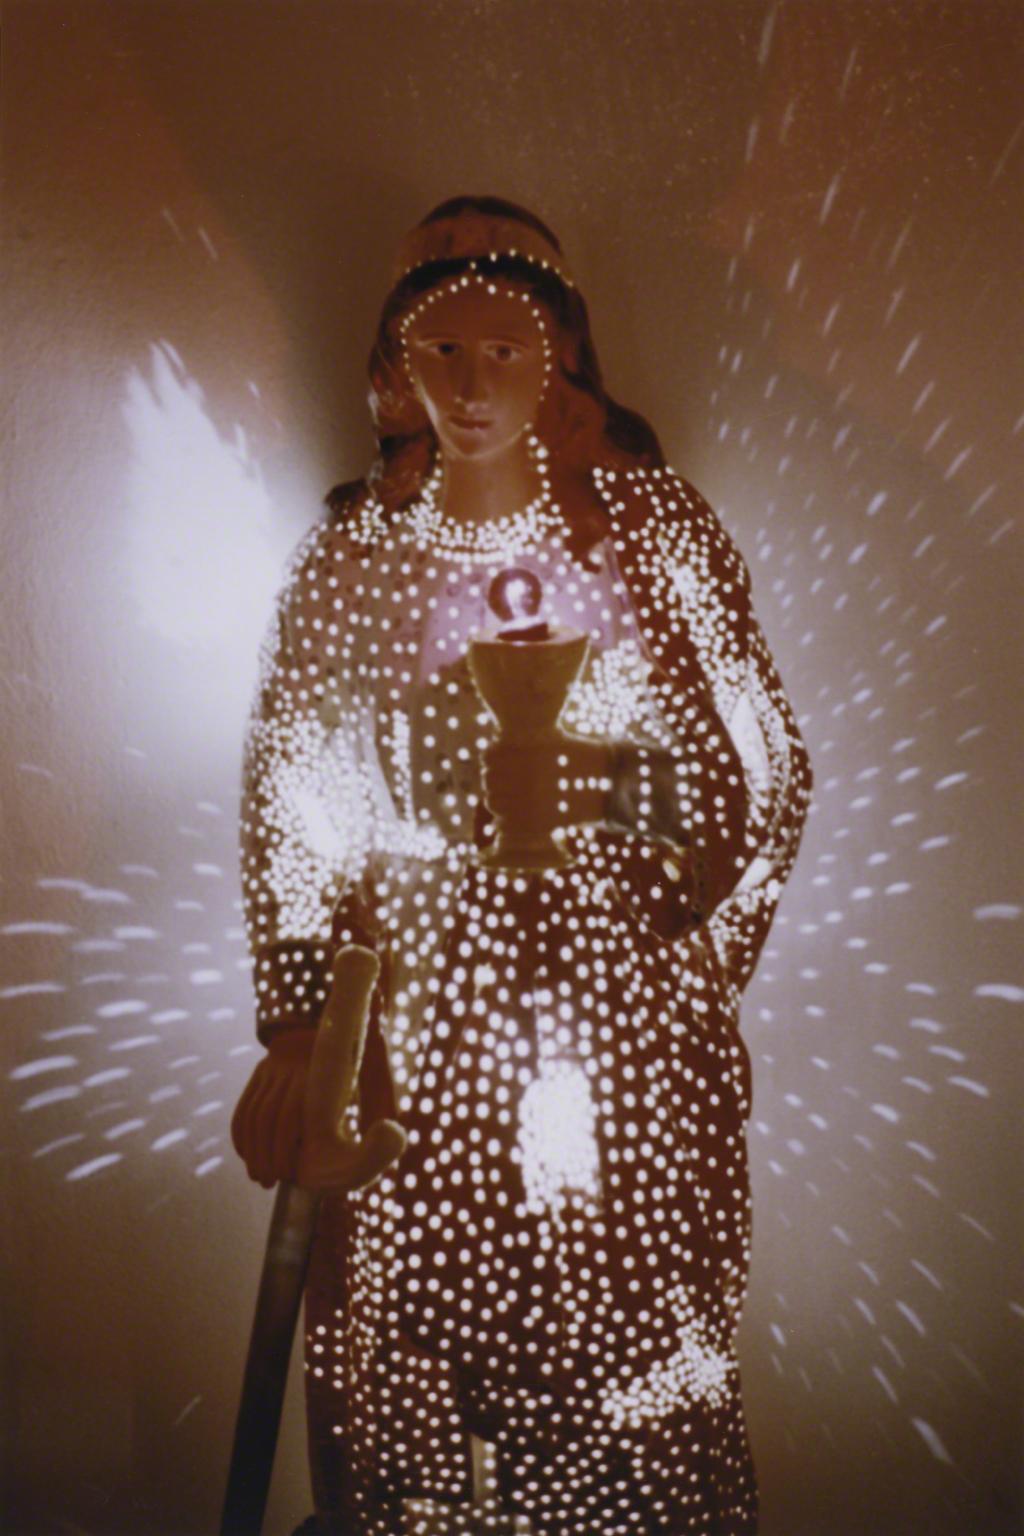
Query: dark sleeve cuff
[[292, 979]]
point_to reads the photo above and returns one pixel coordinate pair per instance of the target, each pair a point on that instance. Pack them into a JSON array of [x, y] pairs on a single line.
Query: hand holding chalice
[[536, 777]]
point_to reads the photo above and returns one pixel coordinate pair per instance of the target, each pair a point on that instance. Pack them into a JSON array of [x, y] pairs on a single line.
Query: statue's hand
[[332, 1156], [266, 1128], [290, 1120], [559, 782]]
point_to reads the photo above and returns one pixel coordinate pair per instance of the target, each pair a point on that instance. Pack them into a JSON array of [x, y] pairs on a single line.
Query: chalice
[[523, 673]]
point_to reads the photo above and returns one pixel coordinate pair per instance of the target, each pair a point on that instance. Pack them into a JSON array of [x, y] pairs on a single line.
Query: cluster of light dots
[[880, 534], [556, 1265], [467, 544], [556, 1139], [112, 1064], [696, 1372]]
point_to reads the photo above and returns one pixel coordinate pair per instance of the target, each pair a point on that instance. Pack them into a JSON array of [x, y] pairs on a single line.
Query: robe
[[553, 1273]]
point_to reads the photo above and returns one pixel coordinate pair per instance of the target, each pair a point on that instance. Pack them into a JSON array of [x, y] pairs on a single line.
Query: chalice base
[[516, 851]]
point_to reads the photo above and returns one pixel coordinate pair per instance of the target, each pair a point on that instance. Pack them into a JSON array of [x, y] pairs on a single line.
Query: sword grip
[[330, 1157]]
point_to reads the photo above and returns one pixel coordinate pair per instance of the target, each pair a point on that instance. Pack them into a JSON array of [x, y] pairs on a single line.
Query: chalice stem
[[525, 687], [522, 841]]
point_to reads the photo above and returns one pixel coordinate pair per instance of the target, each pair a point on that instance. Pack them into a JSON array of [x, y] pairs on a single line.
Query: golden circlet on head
[[467, 235]]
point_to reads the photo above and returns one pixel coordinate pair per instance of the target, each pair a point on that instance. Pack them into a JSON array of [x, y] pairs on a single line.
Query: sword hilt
[[330, 1157]]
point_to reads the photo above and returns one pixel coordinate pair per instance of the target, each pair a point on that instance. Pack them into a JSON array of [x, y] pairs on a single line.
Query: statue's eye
[[503, 352]]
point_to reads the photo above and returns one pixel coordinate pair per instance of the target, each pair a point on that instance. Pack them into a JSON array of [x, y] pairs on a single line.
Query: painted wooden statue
[[528, 1322]]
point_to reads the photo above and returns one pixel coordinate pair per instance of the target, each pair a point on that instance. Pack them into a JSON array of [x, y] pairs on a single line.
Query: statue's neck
[[482, 491]]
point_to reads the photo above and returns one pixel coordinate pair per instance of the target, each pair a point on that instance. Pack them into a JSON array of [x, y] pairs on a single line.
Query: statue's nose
[[469, 387]]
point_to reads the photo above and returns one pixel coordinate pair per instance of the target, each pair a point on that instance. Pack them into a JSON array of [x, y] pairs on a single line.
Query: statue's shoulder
[[346, 531], [656, 503], [355, 515], [663, 520], [703, 535]]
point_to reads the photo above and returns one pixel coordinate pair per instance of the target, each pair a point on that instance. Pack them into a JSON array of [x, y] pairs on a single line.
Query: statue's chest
[[426, 610], [428, 720]]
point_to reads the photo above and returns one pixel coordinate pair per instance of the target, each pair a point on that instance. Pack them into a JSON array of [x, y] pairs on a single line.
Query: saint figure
[[528, 1324]]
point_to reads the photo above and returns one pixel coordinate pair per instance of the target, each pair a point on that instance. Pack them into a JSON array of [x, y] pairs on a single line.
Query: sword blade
[[266, 1368]]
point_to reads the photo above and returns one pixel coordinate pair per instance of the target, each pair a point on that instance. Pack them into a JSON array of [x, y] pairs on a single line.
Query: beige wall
[[796, 229]]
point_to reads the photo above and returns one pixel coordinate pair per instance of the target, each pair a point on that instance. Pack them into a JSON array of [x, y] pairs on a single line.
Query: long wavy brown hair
[[579, 422]]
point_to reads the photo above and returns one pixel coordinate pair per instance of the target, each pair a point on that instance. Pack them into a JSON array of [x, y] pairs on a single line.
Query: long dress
[[557, 1264]]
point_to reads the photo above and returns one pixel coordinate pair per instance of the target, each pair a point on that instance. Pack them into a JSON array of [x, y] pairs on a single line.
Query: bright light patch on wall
[[204, 569]]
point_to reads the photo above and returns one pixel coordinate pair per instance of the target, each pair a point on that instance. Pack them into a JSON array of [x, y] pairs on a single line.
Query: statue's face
[[477, 362]]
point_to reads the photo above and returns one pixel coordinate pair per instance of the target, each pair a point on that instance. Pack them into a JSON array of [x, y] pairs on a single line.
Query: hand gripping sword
[[329, 1159]]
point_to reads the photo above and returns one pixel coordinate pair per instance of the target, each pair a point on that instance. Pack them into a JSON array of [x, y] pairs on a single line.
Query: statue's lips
[[467, 424]]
